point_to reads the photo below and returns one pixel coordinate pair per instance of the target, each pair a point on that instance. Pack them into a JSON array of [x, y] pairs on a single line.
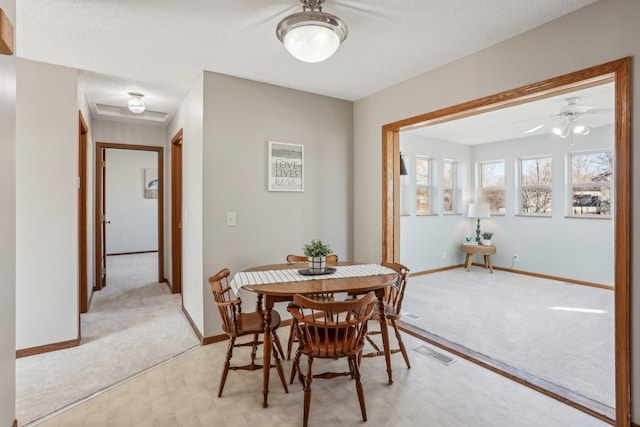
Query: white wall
[[7, 228], [271, 224], [581, 249], [133, 225], [189, 117], [433, 241], [46, 204], [128, 133], [604, 31]]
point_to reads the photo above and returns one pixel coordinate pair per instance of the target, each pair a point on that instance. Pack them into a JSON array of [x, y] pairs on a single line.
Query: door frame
[[176, 213], [99, 195], [618, 71], [83, 261]]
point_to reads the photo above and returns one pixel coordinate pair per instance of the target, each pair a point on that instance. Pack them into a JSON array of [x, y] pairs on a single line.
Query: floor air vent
[[442, 358], [411, 316]]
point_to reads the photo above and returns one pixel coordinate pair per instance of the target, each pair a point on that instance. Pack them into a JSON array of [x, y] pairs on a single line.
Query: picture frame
[[285, 167], [150, 183]]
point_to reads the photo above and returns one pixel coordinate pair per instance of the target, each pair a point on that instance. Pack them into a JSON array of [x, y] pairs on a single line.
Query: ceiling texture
[[159, 47]]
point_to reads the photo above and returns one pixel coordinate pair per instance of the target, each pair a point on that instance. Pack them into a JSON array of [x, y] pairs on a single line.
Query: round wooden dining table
[[284, 291]]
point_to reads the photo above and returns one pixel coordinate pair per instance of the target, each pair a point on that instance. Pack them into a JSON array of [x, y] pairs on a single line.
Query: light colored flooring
[[561, 332], [134, 323], [183, 392]]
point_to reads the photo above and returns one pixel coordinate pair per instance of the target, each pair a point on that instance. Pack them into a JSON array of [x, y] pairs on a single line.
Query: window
[[423, 185], [591, 176], [492, 185], [535, 186], [449, 186]]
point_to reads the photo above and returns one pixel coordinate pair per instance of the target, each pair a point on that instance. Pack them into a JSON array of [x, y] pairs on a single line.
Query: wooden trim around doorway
[[83, 260], [160, 150], [618, 71], [176, 212]]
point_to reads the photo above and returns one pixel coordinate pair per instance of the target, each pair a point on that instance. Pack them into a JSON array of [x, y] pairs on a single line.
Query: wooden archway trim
[[618, 71]]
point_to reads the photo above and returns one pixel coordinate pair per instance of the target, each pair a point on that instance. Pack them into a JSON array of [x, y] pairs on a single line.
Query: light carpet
[[134, 323], [557, 331]]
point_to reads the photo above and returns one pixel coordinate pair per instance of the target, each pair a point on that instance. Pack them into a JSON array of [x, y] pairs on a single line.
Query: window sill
[[600, 217], [534, 215], [452, 214], [427, 214]]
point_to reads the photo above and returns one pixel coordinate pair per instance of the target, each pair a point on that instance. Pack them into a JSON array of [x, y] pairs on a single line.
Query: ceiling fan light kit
[[136, 104], [570, 112], [311, 35]]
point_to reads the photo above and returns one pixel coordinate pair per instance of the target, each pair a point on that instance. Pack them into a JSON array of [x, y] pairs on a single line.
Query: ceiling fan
[[570, 117]]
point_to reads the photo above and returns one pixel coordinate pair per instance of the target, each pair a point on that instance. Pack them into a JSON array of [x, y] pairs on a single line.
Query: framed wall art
[[151, 183], [286, 167]]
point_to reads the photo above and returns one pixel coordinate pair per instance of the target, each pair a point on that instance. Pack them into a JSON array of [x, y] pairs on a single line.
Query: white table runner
[[291, 275]]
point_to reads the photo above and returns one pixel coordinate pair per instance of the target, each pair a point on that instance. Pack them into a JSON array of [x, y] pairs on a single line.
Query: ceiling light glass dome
[[311, 35]]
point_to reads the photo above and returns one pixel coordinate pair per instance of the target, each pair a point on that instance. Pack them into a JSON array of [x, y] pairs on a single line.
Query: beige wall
[[240, 117], [598, 33], [46, 198], [7, 228]]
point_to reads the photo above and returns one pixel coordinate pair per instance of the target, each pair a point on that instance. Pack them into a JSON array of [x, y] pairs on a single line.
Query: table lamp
[[478, 210]]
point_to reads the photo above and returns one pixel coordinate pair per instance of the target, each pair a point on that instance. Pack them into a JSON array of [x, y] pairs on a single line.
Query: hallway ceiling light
[[311, 35], [136, 104]]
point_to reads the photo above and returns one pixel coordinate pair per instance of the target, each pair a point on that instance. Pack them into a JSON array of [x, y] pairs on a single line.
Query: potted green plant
[[317, 252], [486, 238]]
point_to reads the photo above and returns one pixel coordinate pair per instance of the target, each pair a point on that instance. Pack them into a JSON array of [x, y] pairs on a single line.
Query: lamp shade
[[403, 167], [478, 210]]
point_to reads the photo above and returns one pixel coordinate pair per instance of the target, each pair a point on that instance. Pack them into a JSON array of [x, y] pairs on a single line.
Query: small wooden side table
[[472, 250]]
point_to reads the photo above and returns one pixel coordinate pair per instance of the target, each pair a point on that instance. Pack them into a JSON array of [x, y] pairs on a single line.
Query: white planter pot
[[317, 264], [486, 242]]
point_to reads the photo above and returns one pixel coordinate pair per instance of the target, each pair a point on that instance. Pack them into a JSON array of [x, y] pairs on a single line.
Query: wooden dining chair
[[394, 295], [330, 330], [294, 259], [236, 324]]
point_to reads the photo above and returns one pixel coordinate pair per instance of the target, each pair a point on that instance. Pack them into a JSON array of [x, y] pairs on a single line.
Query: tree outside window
[[591, 178], [423, 185], [535, 186], [449, 186], [492, 185]]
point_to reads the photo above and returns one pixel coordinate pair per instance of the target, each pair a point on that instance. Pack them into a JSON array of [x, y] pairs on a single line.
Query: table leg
[[467, 261], [385, 334], [490, 264], [267, 348]]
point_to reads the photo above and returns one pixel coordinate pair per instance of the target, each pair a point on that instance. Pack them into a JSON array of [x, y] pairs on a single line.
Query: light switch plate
[[231, 219]]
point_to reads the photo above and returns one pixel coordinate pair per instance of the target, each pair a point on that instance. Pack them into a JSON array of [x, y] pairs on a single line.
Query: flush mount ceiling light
[[311, 35], [136, 104]]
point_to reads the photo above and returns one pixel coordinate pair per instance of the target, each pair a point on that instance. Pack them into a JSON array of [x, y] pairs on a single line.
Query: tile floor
[[183, 392]]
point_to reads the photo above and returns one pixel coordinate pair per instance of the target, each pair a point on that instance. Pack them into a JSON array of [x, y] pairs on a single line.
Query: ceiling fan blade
[[535, 119], [533, 129], [600, 111]]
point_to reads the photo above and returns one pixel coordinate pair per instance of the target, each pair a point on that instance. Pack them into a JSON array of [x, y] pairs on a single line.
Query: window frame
[[453, 188], [480, 187], [610, 185], [521, 187], [429, 185]]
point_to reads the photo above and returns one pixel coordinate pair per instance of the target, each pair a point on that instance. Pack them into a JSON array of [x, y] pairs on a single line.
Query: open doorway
[[618, 72], [141, 194]]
